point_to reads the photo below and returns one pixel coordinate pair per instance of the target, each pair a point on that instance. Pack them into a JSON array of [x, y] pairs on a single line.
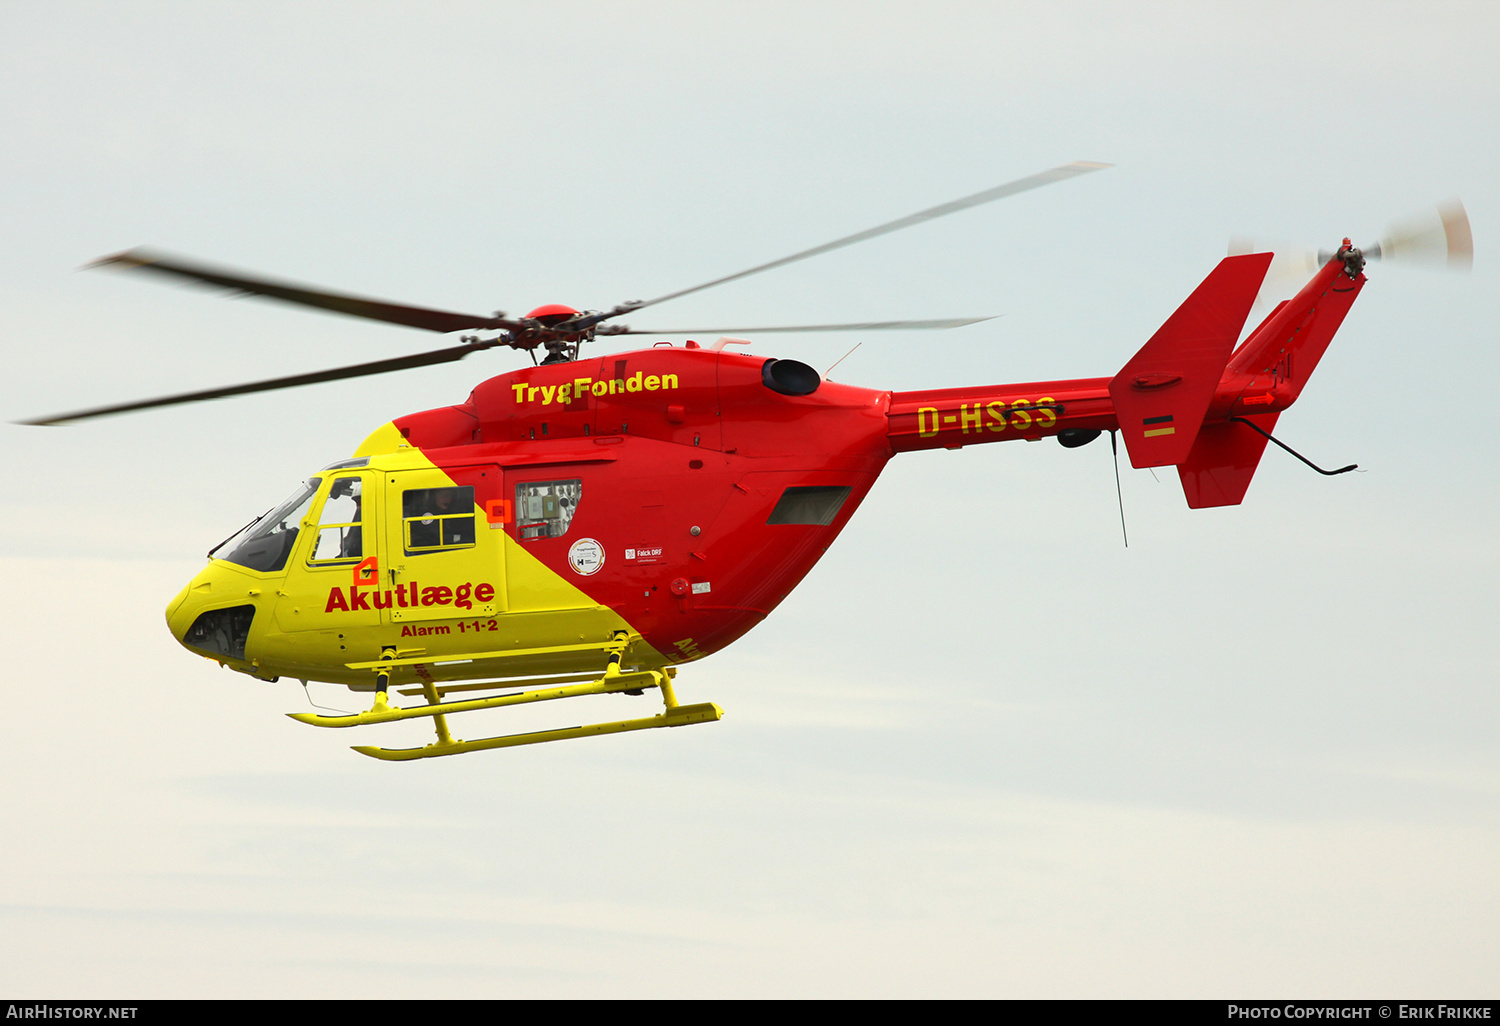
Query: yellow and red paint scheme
[[683, 454]]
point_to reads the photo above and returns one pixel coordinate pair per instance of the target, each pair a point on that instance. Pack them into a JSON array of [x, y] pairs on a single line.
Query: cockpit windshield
[[265, 542]]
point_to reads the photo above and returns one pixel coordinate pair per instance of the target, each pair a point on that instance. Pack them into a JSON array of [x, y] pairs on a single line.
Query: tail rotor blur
[[1437, 239]]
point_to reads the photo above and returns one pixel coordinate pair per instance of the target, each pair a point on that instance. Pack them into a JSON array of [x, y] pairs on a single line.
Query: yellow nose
[[212, 615]]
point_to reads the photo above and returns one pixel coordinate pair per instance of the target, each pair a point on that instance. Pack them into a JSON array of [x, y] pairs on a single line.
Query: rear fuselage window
[[815, 504], [544, 509], [435, 519]]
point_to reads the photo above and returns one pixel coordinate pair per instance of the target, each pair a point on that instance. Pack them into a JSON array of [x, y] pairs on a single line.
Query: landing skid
[[614, 681]]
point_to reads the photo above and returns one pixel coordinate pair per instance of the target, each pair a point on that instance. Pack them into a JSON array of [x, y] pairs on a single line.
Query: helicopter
[[586, 525]]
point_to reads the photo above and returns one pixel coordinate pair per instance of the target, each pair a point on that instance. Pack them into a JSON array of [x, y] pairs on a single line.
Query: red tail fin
[[1267, 372], [1162, 394], [1281, 354], [1223, 460]]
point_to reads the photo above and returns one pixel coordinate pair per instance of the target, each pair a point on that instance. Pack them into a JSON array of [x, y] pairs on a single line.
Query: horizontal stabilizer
[[1162, 394]]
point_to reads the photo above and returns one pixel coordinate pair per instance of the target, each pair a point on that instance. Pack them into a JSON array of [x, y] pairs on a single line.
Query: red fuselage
[[685, 457]]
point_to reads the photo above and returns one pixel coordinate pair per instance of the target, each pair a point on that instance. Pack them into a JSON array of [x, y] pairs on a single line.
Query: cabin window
[[816, 505], [437, 519], [341, 532], [265, 542], [544, 509]]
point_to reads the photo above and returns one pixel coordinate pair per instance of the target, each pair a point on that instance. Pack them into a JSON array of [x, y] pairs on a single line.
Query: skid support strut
[[614, 681]]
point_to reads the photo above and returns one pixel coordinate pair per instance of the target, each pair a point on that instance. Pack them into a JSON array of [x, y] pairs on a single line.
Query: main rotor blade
[[1056, 174], [937, 325], [358, 370], [354, 306], [1291, 266]]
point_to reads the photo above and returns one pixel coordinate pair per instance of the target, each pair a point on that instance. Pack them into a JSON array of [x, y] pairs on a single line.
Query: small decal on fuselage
[[586, 556]]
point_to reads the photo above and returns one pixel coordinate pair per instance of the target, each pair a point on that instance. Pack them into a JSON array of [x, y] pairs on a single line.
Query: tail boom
[[950, 418]]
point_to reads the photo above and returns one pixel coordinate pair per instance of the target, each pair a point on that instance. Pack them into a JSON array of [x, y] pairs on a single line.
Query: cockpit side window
[[341, 523], [544, 509], [265, 543], [437, 519]]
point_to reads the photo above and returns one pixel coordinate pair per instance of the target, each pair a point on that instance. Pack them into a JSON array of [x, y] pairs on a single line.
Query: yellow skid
[[677, 716], [613, 682]]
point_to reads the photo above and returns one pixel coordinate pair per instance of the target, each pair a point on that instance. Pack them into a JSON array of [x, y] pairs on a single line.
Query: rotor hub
[[552, 314]]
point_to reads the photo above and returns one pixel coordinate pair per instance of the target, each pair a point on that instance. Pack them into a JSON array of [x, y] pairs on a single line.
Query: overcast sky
[[985, 749]]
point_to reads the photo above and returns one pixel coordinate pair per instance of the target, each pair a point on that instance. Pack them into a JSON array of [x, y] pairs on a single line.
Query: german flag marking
[[1154, 432]]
